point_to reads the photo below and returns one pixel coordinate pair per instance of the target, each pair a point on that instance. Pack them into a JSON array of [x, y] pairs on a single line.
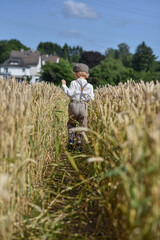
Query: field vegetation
[[110, 190]]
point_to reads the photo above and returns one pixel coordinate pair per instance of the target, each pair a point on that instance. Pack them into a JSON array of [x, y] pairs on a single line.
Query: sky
[[96, 25]]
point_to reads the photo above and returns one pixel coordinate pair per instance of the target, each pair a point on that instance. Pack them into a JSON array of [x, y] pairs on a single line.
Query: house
[[51, 58], [25, 64]]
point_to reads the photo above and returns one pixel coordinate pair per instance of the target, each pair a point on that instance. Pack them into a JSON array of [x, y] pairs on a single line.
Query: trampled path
[[73, 212], [76, 213]]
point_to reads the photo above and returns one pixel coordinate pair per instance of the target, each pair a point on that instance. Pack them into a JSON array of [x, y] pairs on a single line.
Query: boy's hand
[[63, 81]]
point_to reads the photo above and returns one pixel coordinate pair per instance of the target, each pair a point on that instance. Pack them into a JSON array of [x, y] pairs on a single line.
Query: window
[[6, 70], [14, 62]]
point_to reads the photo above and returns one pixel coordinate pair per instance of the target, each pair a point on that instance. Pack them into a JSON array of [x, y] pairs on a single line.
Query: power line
[[122, 7]]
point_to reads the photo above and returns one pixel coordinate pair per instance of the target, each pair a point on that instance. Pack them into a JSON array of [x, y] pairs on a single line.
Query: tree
[[122, 53], [111, 52], [109, 71], [7, 46], [91, 58], [15, 44], [4, 54], [54, 72], [65, 52], [75, 53], [76, 58], [49, 48], [143, 58], [71, 54], [156, 66]]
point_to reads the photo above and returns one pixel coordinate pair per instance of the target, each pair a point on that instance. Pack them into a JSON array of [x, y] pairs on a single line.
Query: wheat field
[[110, 190]]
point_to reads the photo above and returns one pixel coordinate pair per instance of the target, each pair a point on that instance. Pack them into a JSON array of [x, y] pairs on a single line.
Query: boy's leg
[[82, 121], [71, 122], [83, 114], [71, 134]]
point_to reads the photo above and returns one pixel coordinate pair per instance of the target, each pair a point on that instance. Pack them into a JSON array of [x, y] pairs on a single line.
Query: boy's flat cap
[[80, 67]]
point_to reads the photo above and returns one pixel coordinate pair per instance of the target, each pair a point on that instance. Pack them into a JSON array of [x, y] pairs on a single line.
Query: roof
[[51, 58], [22, 59]]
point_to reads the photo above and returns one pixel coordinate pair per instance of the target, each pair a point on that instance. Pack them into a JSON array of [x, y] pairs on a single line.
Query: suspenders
[[82, 88]]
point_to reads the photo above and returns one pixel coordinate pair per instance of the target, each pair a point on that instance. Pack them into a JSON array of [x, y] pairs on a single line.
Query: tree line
[[112, 67]]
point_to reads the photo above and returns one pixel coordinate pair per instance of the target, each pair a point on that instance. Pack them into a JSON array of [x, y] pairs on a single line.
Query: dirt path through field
[[72, 212], [76, 215]]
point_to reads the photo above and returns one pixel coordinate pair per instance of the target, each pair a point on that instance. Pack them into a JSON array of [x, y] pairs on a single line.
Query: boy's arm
[[68, 91]]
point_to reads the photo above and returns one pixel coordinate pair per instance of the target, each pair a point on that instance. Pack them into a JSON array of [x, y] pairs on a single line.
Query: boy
[[79, 92]]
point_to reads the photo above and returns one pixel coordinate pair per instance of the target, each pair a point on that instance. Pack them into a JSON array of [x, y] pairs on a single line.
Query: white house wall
[[15, 71], [35, 79], [35, 69]]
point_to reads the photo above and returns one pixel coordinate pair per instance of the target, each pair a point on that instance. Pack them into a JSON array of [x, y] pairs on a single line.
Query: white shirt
[[74, 92]]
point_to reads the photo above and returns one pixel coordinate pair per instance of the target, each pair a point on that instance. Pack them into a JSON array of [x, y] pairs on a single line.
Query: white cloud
[[78, 10]]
